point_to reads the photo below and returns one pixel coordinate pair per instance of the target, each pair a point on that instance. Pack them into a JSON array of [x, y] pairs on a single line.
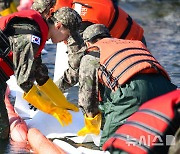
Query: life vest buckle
[[111, 81], [105, 72], [155, 67]]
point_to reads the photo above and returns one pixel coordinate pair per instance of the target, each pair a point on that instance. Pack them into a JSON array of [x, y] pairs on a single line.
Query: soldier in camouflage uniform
[[23, 35], [117, 105], [75, 46], [75, 49]]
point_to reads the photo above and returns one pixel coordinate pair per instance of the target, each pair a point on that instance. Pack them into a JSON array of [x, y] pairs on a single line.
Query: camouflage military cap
[[68, 17], [95, 31], [42, 5]]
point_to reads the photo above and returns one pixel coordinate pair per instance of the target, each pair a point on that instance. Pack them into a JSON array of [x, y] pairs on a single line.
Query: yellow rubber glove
[[39, 100], [62, 115], [57, 97], [92, 125]]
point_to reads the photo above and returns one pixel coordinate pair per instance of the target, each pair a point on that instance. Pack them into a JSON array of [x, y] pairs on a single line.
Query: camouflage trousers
[[119, 105], [4, 121]]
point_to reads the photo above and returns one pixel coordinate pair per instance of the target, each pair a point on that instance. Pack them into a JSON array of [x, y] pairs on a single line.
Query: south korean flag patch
[[35, 39]]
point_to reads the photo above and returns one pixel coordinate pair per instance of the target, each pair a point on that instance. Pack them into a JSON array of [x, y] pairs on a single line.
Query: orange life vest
[[150, 129], [6, 64], [122, 59], [104, 12], [120, 24], [62, 3]]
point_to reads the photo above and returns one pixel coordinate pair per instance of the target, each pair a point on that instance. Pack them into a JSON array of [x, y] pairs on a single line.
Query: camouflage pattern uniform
[[116, 106], [75, 49], [43, 5], [88, 79], [75, 45], [27, 69], [27, 66]]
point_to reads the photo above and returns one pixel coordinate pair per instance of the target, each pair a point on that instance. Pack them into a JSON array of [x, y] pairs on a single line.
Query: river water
[[161, 22]]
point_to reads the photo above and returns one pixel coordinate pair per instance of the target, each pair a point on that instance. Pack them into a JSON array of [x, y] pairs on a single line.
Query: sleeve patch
[[35, 39]]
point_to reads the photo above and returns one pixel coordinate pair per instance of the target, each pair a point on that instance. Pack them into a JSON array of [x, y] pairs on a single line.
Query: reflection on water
[[161, 22]]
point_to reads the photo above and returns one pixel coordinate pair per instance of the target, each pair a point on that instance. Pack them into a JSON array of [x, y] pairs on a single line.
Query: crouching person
[[117, 76], [22, 38]]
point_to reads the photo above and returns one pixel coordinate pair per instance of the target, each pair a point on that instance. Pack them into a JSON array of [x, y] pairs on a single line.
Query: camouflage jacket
[[75, 51], [83, 69], [27, 68], [88, 84]]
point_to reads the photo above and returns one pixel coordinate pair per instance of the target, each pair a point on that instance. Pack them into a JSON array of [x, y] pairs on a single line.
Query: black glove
[[31, 107]]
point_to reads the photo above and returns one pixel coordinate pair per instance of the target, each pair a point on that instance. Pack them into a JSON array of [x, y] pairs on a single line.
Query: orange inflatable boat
[[18, 128], [40, 144], [19, 132]]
